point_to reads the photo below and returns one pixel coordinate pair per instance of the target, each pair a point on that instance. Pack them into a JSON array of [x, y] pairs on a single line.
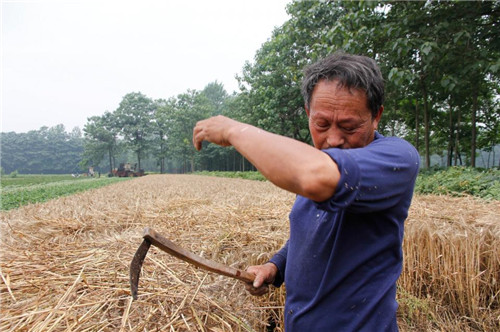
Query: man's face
[[340, 118]]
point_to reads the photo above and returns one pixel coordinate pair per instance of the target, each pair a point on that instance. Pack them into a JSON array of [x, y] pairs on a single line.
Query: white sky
[[64, 61]]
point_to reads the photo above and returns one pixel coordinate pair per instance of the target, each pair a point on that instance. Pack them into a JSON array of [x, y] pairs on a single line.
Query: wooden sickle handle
[[187, 256]]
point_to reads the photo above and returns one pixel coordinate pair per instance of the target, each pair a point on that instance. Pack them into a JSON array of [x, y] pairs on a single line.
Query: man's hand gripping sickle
[[264, 275]]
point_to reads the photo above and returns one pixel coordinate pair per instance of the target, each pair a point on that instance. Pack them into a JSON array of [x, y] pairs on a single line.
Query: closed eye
[[349, 129], [322, 125]]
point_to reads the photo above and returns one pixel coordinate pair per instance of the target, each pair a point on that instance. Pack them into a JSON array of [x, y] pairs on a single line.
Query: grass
[[452, 181], [249, 175], [460, 181], [30, 179], [26, 189]]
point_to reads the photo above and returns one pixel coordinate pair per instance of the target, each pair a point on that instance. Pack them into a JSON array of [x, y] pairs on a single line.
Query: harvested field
[[451, 268], [64, 263]]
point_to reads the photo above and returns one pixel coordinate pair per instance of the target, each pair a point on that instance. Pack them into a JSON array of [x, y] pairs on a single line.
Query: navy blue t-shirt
[[344, 255]]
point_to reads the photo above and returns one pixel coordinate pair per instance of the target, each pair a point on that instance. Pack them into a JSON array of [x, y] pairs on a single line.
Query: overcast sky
[[64, 61]]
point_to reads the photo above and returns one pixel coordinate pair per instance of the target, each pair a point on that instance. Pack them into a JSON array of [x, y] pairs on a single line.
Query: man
[[354, 188]]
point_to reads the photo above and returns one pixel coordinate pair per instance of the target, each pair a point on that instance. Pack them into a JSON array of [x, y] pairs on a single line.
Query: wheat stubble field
[[64, 263]]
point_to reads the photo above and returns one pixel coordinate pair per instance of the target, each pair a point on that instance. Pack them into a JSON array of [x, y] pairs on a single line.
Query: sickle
[[153, 238]]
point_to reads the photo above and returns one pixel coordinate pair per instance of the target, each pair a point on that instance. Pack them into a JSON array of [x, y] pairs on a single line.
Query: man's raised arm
[[288, 163]]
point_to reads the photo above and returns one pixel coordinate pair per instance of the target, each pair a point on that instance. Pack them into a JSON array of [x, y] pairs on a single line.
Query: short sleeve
[[375, 177]]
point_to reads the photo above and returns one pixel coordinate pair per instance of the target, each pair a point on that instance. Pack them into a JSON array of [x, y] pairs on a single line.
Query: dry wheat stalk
[[64, 264]]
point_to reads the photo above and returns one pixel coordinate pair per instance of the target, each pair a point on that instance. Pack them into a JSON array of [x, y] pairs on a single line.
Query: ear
[[376, 120], [307, 109]]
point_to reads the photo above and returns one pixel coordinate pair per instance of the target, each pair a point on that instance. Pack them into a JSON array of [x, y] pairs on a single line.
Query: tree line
[[161, 130], [441, 62], [43, 151], [440, 59]]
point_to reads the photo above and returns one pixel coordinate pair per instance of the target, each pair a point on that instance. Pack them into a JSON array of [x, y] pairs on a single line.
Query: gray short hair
[[352, 71]]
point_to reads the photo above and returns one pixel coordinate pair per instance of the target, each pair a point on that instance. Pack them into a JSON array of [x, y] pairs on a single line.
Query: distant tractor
[[127, 170]]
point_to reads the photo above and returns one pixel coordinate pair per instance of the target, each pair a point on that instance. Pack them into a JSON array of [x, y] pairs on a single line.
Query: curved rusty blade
[[136, 266], [187, 256]]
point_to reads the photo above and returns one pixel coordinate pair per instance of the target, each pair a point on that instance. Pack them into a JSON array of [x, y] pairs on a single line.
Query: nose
[[335, 139]]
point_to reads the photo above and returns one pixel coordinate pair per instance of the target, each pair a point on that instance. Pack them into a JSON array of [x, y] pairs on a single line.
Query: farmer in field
[[354, 187]]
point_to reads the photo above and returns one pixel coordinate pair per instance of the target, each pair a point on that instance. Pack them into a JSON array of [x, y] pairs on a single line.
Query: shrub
[[460, 181]]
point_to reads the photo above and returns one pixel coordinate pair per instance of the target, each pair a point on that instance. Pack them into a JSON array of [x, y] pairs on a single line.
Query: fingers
[[206, 130], [197, 143], [257, 291], [259, 280], [214, 130], [198, 135], [260, 285]]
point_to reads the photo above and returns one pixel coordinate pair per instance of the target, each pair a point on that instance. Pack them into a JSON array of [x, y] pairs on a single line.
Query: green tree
[[190, 107], [43, 151], [134, 117], [272, 82], [212, 101], [162, 128], [438, 58], [453, 56], [100, 138], [216, 96]]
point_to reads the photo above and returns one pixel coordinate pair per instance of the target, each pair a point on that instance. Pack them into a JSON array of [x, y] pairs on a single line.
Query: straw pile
[[452, 264], [64, 264]]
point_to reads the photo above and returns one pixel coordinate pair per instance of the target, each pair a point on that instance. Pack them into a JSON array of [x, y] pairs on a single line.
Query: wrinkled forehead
[[335, 87], [342, 85]]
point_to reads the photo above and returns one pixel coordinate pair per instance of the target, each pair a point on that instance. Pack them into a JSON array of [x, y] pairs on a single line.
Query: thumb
[[258, 281]]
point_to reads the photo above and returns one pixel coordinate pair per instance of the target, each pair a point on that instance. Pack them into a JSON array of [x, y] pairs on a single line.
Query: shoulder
[[394, 146], [381, 139]]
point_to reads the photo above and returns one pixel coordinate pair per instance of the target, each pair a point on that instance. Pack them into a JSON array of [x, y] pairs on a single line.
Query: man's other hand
[[264, 275]]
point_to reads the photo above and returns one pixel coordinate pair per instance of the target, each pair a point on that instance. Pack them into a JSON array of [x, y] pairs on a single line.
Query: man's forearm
[[288, 163]]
